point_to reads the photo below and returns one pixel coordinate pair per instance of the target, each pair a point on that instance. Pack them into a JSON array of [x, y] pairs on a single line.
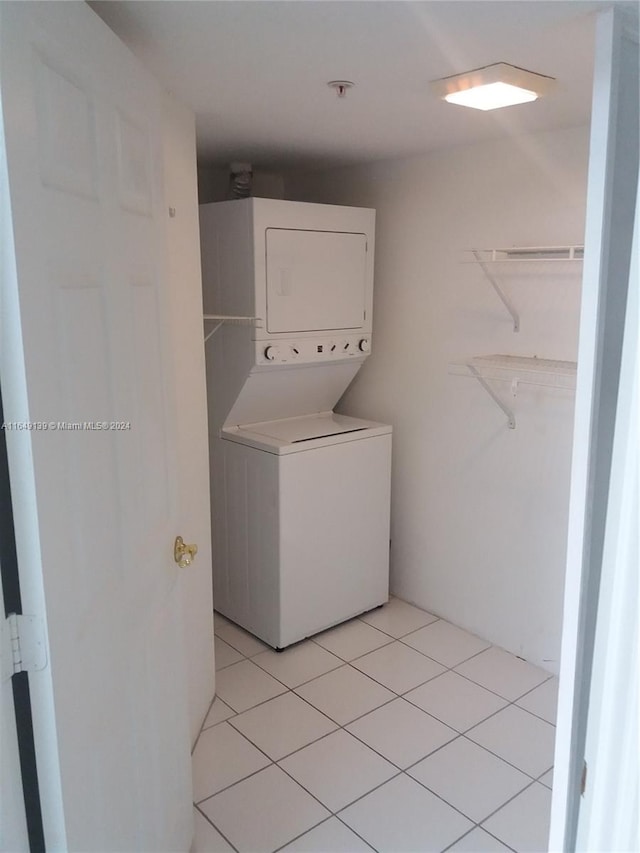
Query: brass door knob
[[183, 554]]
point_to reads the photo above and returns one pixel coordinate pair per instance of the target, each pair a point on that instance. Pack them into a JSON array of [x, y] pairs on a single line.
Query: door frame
[[611, 203], [591, 464], [10, 580]]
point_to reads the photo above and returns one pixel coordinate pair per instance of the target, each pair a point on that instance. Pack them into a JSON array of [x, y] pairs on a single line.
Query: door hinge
[[583, 779], [23, 645]]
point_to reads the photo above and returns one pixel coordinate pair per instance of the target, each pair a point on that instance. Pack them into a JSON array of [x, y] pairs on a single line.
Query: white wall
[[479, 512]]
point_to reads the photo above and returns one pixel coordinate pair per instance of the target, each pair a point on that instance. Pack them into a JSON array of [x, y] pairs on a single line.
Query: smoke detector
[[340, 87]]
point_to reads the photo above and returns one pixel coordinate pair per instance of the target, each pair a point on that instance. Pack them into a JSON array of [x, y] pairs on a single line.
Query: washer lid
[[290, 435], [293, 430]]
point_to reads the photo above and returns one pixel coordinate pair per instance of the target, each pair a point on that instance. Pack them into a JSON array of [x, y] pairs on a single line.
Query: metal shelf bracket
[[503, 297], [511, 418], [213, 331], [516, 370], [521, 255]]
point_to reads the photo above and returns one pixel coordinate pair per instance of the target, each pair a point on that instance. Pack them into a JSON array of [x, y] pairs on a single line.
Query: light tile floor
[[396, 732]]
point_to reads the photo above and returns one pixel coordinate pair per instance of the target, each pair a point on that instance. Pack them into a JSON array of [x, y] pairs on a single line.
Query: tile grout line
[[468, 817], [340, 664], [401, 771], [212, 725], [202, 728], [477, 826], [442, 799], [233, 784], [526, 788], [396, 696], [400, 640], [298, 749], [499, 840], [446, 669], [216, 828], [495, 755], [355, 719], [342, 726], [299, 784], [275, 762], [326, 820], [388, 641], [504, 698], [347, 805], [339, 725], [355, 832]]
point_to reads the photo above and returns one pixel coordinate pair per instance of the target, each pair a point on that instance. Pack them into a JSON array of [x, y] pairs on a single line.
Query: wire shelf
[[515, 254], [485, 258], [517, 370], [228, 319], [544, 372]]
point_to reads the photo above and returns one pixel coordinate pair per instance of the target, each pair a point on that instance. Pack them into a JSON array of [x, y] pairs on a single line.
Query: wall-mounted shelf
[[222, 319], [542, 372], [528, 253], [485, 258]]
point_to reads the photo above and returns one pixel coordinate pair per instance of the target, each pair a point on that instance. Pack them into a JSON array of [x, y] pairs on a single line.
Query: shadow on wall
[[213, 184]]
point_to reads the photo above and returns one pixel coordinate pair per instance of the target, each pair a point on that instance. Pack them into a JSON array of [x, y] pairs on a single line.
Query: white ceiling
[[255, 73]]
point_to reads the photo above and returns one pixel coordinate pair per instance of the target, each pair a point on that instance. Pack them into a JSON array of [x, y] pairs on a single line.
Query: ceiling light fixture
[[492, 87]]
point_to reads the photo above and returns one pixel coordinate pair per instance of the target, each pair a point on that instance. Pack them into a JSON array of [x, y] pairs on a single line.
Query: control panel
[[313, 350]]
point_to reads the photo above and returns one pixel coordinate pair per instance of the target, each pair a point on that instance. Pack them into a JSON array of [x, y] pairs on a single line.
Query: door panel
[[83, 127], [134, 152], [66, 128], [152, 475]]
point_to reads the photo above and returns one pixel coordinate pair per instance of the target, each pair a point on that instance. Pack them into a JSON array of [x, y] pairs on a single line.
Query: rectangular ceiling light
[[492, 87]]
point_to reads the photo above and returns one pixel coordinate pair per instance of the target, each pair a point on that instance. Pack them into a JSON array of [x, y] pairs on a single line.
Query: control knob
[[364, 345], [271, 353]]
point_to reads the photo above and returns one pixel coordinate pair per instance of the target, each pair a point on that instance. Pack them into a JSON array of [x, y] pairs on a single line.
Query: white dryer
[[300, 494]]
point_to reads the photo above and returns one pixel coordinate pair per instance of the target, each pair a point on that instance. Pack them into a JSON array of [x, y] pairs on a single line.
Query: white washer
[[302, 524], [300, 495]]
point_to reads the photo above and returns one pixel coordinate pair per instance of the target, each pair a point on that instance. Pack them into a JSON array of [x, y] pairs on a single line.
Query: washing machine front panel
[[334, 535], [316, 280], [246, 541], [303, 539]]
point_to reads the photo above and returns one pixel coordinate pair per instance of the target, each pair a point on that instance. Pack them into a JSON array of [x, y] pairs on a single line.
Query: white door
[[85, 343]]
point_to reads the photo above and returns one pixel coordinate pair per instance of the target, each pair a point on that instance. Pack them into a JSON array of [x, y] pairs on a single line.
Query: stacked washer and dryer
[[300, 494]]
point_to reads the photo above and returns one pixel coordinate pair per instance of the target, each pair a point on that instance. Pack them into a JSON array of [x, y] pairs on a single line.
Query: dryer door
[[316, 280]]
